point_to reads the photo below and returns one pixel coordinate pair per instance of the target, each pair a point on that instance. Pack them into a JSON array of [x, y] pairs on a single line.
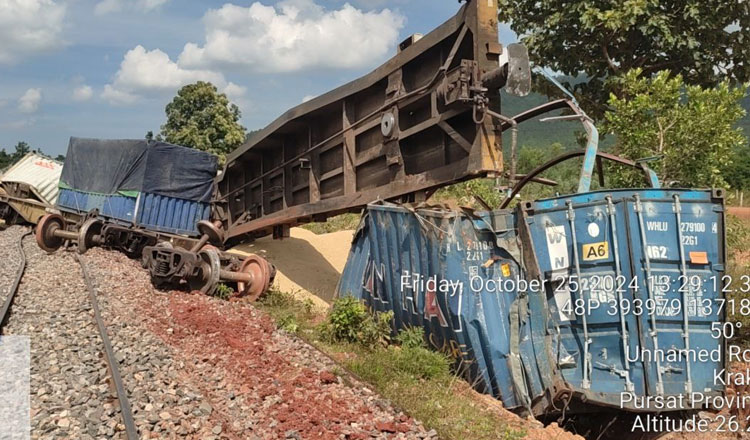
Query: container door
[[582, 250], [677, 259]]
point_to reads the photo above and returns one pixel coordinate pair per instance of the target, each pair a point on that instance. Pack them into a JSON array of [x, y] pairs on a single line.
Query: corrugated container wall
[[40, 173]]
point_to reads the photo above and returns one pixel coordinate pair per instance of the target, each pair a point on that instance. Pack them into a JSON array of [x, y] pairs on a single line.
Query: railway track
[[28, 318], [192, 366]]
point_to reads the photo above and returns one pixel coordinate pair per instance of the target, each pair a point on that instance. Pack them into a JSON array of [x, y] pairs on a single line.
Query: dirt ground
[[307, 264], [741, 212]]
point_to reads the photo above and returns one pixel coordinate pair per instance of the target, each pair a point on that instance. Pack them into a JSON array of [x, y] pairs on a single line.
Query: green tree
[[705, 41], [22, 148], [5, 159], [200, 117], [690, 131]]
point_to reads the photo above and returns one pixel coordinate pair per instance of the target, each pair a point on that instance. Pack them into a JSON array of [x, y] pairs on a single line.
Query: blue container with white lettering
[[421, 264], [550, 305]]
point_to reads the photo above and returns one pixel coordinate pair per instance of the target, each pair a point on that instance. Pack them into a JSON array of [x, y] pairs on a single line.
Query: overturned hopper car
[[428, 117]]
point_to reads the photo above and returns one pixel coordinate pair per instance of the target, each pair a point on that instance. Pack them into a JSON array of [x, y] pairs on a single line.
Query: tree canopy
[[7, 159], [705, 41], [690, 131], [200, 117]]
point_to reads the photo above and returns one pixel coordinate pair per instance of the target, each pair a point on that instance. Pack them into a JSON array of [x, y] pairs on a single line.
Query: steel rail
[[125, 410], [16, 282]]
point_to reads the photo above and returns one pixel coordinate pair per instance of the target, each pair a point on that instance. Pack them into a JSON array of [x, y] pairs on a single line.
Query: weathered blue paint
[[519, 342], [117, 207], [702, 222], [589, 159], [653, 178], [153, 212], [171, 215], [396, 247]]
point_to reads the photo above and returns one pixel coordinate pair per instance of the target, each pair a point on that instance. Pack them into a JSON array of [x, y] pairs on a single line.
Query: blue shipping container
[[540, 305], [154, 212]]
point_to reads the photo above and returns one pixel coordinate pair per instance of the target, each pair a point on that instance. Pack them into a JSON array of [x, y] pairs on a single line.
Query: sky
[[107, 68]]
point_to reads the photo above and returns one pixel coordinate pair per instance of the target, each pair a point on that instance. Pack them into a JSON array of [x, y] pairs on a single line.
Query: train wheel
[[89, 235], [215, 235], [261, 272], [45, 232], [210, 272]]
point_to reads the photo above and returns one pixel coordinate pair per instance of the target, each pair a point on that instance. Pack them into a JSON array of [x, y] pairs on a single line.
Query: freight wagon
[[28, 188], [131, 192], [152, 201]]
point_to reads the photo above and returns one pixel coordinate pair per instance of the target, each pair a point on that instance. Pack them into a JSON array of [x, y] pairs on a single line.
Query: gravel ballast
[[192, 366]]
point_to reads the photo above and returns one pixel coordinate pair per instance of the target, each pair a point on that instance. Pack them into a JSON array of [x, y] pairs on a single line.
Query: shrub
[[341, 222], [277, 298], [223, 291], [411, 337], [350, 321], [288, 323]]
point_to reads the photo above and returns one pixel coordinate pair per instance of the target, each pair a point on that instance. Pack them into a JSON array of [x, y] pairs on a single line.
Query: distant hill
[[539, 134], [534, 133]]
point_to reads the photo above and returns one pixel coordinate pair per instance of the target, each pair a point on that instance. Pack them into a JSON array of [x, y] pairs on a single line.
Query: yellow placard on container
[[505, 267], [596, 251]]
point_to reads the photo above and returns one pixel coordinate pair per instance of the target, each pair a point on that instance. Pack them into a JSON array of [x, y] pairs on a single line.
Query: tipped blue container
[[498, 291]]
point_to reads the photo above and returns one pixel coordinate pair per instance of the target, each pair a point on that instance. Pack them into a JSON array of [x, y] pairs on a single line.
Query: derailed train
[[136, 196], [427, 118]]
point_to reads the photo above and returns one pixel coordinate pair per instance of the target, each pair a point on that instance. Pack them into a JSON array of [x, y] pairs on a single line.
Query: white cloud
[[83, 93], [29, 102], [118, 97], [148, 5], [153, 70], [309, 97], [28, 27], [109, 6], [143, 71], [291, 36], [234, 91]]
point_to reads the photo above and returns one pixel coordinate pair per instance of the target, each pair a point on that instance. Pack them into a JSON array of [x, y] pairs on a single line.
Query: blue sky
[[107, 68]]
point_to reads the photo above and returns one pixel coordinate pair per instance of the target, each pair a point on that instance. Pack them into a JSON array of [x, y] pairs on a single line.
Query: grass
[[424, 387], [341, 222], [416, 379], [738, 244]]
